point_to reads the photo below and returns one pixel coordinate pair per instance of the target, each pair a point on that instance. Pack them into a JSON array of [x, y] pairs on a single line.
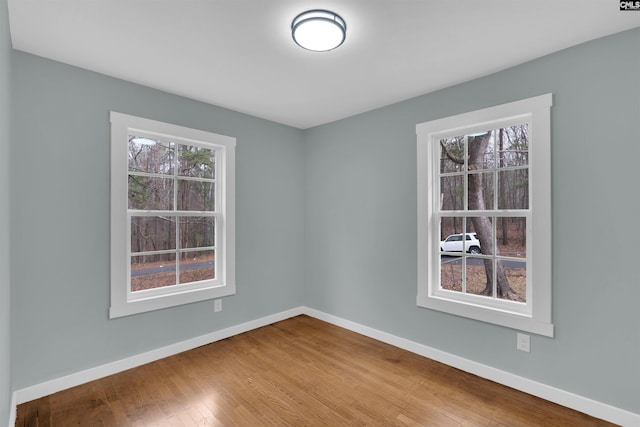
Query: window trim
[[537, 319], [122, 301]]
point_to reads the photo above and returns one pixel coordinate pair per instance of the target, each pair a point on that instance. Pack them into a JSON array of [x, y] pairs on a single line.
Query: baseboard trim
[[546, 392], [552, 394], [53, 386], [13, 409]]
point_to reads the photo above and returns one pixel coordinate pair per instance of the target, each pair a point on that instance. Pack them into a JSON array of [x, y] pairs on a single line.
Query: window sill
[[158, 302], [482, 313]]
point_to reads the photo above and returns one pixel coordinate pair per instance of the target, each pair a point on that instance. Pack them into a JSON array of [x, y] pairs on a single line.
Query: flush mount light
[[318, 30], [478, 133], [143, 141]]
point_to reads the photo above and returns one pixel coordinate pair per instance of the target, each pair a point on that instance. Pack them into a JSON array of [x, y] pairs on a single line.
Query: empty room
[[373, 212]]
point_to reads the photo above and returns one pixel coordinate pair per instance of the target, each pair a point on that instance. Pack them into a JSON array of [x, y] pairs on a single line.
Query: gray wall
[[5, 308], [361, 221], [60, 221]]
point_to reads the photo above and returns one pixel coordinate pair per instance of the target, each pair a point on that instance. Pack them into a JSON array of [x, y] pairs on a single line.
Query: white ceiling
[[239, 54]]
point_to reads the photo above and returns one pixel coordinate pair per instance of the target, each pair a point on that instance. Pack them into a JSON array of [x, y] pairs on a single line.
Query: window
[[486, 175], [172, 215]]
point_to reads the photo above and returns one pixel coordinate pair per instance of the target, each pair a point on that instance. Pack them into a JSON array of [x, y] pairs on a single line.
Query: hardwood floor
[[298, 372]]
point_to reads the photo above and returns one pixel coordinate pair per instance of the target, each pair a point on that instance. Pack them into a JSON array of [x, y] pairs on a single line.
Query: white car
[[453, 243]]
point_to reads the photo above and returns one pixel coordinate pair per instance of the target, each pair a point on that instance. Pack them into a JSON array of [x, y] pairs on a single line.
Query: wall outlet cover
[[523, 342]]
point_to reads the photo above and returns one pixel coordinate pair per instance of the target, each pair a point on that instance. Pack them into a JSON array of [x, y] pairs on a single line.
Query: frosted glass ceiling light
[[318, 30], [143, 141]]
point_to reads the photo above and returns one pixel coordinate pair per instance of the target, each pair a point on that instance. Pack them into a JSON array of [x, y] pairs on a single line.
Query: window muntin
[[487, 173], [172, 215], [479, 175]]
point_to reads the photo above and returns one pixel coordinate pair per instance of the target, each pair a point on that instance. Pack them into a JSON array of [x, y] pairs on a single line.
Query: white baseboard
[[13, 409], [552, 394], [53, 386]]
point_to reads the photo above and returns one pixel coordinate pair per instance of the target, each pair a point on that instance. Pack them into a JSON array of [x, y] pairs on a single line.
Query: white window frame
[[123, 301], [534, 315]]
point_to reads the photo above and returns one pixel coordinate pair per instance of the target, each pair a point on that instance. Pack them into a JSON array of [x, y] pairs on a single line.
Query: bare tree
[[477, 147], [482, 225]]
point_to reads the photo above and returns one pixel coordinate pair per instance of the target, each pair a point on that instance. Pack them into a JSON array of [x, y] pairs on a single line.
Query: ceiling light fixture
[[143, 141], [318, 30]]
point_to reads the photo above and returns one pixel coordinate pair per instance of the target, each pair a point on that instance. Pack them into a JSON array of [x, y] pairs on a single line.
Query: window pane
[[196, 162], [481, 151], [452, 192], [516, 273], [150, 155], [451, 234], [196, 266], [196, 195], [152, 233], [153, 271], [511, 236], [514, 189], [481, 190], [513, 146], [451, 273], [480, 232], [197, 232], [477, 280], [150, 193], [452, 154]]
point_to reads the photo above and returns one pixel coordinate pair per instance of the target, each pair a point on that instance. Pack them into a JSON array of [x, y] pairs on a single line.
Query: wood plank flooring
[[298, 372]]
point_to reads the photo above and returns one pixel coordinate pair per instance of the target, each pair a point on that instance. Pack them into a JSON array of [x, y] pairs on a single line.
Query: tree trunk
[[482, 225], [501, 192]]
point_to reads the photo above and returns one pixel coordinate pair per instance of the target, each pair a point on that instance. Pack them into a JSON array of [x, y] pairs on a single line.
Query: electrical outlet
[[524, 342], [217, 305]]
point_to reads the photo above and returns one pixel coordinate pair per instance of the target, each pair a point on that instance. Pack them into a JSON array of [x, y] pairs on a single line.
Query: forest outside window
[[484, 215], [172, 215]]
